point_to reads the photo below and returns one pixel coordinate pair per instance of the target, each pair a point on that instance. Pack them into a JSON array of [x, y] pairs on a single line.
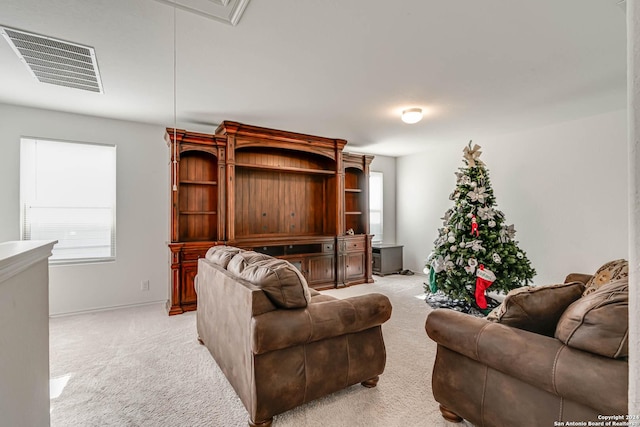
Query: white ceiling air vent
[[55, 61]]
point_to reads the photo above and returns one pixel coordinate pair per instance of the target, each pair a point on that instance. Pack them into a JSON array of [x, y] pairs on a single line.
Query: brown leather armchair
[[554, 355], [279, 343]]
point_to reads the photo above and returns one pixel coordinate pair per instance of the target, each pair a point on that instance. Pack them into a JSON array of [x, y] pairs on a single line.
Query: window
[[68, 194], [375, 205]]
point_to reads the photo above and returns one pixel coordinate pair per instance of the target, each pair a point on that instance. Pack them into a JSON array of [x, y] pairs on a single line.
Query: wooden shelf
[[285, 169], [198, 182], [352, 190]]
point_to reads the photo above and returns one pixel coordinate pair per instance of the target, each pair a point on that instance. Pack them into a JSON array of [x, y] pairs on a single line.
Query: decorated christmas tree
[[475, 248]]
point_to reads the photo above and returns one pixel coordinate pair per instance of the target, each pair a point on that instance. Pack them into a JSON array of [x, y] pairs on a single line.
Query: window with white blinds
[[68, 194], [375, 205]]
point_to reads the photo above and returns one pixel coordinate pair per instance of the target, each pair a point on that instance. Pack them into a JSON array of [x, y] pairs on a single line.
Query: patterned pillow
[[536, 308], [610, 272], [497, 313]]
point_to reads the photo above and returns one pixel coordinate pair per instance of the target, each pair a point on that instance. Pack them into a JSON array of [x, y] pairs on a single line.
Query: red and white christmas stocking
[[484, 279]]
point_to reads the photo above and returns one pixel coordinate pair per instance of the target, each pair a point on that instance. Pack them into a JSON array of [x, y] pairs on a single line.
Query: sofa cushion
[[285, 286], [598, 323], [221, 255], [536, 308], [242, 259], [611, 271]]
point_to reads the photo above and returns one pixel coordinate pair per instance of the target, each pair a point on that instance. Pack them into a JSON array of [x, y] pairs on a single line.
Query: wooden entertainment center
[[293, 196]]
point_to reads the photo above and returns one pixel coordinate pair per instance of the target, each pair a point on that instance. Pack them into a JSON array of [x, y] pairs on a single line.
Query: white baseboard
[[115, 307]]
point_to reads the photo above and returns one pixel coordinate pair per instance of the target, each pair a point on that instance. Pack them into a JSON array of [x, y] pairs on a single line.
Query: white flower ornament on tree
[[507, 233], [476, 245], [447, 216], [486, 213], [477, 195], [438, 264]]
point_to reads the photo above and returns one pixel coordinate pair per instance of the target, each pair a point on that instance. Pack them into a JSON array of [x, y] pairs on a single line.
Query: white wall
[[387, 165], [142, 207], [564, 187], [424, 182]]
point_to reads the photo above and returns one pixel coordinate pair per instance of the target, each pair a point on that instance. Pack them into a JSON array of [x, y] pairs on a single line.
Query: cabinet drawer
[[327, 247], [192, 255], [354, 245]]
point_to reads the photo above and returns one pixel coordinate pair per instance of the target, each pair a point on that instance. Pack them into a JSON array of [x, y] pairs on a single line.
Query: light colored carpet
[[140, 367]]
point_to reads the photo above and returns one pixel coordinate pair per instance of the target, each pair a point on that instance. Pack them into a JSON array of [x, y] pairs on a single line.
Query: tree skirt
[[442, 300]]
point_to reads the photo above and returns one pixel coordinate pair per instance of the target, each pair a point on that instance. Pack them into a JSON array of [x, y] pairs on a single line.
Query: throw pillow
[[611, 271], [285, 286], [242, 259], [536, 308], [598, 323], [221, 255]]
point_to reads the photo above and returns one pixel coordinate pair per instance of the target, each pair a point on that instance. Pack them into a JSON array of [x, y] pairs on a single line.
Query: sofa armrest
[[285, 328], [541, 361]]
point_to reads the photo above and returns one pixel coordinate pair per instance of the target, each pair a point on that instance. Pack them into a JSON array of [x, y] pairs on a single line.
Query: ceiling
[[335, 68]]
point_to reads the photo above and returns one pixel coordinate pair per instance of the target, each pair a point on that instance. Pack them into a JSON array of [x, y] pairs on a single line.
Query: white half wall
[[387, 165], [142, 216], [564, 187], [24, 333]]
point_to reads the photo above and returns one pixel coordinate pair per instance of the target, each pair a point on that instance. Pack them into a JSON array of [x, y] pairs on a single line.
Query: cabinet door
[[187, 289], [354, 268], [320, 269], [300, 264]]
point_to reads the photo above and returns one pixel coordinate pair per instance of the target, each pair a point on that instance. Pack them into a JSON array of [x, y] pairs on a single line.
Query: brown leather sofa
[[549, 355], [279, 343]]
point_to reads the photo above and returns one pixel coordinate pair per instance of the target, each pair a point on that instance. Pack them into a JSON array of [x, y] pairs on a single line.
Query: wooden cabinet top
[[184, 136], [254, 136], [353, 160]]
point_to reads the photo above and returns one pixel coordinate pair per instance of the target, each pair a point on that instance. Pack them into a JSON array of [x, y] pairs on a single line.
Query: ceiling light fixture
[[412, 115]]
